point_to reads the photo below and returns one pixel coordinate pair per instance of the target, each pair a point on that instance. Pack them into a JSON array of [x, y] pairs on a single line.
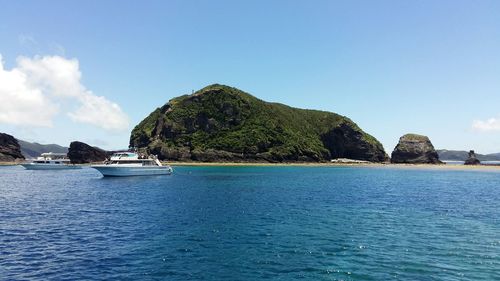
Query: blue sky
[[394, 67]]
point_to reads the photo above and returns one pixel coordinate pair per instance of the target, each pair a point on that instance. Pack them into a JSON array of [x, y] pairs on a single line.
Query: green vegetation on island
[[221, 123]]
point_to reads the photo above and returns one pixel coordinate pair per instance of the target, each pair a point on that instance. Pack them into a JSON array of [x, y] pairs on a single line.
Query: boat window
[[123, 162], [144, 162]]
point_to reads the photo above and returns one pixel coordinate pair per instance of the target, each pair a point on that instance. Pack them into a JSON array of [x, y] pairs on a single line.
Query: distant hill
[[458, 155], [34, 149], [221, 123]]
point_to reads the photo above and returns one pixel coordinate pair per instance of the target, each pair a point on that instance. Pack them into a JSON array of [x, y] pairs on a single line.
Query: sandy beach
[[8, 163], [325, 164]]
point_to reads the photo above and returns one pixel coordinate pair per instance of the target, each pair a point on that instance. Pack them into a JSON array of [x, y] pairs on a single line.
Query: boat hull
[[113, 171], [31, 166]]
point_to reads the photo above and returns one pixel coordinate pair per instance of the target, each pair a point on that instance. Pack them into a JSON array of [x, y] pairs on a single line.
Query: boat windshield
[[145, 162]]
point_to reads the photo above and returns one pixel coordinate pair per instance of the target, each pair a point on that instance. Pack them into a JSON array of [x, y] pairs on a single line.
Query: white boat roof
[[51, 160], [124, 156], [130, 154], [48, 154], [52, 156]]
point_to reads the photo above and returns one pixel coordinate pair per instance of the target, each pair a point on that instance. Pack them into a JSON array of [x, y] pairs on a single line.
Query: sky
[[92, 70]]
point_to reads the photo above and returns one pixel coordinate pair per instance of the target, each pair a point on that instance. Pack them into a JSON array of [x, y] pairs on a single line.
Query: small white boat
[[50, 161], [124, 164]]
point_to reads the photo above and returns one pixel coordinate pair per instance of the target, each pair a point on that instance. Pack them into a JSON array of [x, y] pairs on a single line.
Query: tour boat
[[123, 164], [50, 161]]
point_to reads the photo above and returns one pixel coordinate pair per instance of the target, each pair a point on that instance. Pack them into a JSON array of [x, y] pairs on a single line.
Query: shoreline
[[9, 163], [317, 164], [364, 165]]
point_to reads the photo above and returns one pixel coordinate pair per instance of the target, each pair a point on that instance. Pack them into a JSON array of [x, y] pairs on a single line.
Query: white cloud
[[100, 112], [21, 104], [54, 75], [490, 125], [32, 92]]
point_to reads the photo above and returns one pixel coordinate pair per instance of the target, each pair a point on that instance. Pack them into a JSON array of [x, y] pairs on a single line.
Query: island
[[223, 124]]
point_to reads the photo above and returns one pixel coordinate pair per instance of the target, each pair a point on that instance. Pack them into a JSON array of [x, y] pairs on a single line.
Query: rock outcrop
[[80, 153], [472, 160], [221, 123], [415, 149], [10, 150]]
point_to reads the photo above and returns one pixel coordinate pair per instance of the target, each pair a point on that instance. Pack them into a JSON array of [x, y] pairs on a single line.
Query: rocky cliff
[[221, 123], [472, 159], [415, 149], [80, 153], [9, 149]]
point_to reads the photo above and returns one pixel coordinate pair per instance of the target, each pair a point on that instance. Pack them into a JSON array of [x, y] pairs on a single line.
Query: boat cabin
[[52, 158], [133, 158]]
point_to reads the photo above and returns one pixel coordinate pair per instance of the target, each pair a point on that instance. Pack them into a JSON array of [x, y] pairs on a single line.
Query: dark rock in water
[[9, 148], [80, 153], [472, 160], [221, 123], [415, 149]]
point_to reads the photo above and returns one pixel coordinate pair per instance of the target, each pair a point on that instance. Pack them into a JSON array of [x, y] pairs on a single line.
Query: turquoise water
[[251, 223]]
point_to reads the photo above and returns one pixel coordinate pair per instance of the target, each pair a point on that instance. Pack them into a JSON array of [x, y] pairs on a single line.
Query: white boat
[[124, 164], [50, 161]]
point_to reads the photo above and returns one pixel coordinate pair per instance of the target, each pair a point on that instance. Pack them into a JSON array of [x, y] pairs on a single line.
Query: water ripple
[[250, 223]]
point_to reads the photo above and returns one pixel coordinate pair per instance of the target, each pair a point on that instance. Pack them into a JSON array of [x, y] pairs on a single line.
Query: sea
[[251, 223]]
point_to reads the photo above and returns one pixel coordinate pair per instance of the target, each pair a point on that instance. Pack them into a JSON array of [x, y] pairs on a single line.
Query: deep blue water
[[251, 223]]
